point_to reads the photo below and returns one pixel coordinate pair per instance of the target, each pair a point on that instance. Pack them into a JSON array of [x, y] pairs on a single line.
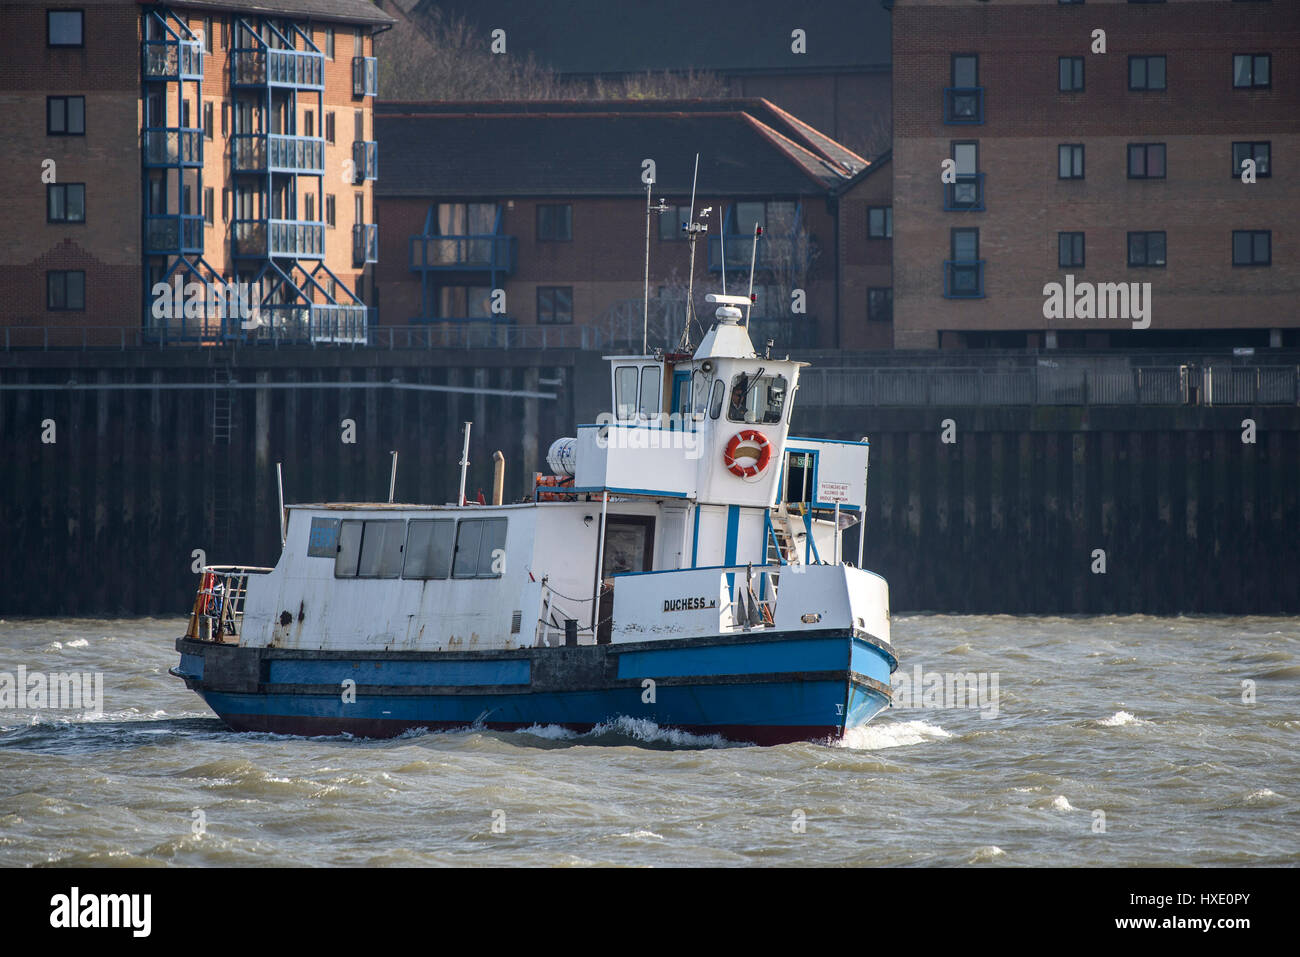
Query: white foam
[[641, 836], [78, 643], [643, 729], [890, 734], [987, 853], [1119, 719], [1060, 803], [551, 732]]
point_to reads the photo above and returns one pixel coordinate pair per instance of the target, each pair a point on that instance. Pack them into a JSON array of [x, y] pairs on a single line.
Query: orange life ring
[[764, 453]]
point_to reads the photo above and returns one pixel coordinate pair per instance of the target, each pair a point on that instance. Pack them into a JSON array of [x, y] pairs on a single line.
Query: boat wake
[[897, 734]]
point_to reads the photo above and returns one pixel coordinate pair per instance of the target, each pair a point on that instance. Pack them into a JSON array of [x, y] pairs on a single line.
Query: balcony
[[365, 244], [172, 60], [173, 234], [297, 69], [963, 105], [966, 194], [365, 161], [963, 279], [278, 238], [277, 153], [485, 253], [365, 76], [173, 147]]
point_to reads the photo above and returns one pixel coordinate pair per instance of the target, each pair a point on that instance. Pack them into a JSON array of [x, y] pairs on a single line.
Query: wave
[[1118, 720], [891, 734]]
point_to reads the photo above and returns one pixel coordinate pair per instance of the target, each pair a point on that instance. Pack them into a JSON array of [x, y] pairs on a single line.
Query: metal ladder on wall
[[222, 424], [780, 544]]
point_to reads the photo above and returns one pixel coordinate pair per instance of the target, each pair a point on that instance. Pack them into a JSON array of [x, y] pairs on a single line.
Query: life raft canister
[[757, 439]]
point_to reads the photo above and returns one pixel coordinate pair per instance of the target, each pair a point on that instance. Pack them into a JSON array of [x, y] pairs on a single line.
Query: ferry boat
[[684, 565]]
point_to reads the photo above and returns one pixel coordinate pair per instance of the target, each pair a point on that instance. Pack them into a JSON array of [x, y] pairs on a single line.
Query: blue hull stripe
[[299, 671], [823, 654]]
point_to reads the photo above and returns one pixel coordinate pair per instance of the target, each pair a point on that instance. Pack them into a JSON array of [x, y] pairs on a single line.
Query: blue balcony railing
[[485, 253], [173, 234], [365, 161], [299, 69], [965, 194], [278, 238], [172, 59], [963, 279], [365, 76], [963, 104], [277, 153], [173, 147], [365, 243]]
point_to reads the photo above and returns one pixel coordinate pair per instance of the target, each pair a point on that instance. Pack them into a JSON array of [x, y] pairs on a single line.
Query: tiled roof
[[581, 153], [342, 11], [722, 36]]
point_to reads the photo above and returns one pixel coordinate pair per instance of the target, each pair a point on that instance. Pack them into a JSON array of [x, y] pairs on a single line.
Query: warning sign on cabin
[[832, 491]]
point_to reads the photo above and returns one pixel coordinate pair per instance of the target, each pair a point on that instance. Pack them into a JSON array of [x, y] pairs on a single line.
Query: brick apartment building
[[204, 142], [826, 62], [544, 201], [1116, 167]]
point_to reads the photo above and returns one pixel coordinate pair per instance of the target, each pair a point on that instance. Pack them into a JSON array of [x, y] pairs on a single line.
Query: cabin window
[[625, 378], [345, 562], [480, 548], [323, 540], [381, 549], [715, 403], [429, 547], [650, 382], [756, 399]]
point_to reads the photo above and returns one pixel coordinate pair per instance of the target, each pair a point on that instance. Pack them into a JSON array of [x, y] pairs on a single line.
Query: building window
[[880, 304], [65, 290], [63, 28], [207, 120], [1146, 249], [358, 42], [308, 123], [330, 214], [1146, 73], [1070, 69], [207, 34], [964, 273], [329, 43], [225, 119], [671, 223], [880, 222], [1069, 250], [1146, 161], [65, 203], [1069, 161], [1252, 247], [209, 212], [1259, 152], [555, 304], [65, 115], [225, 205], [555, 223], [359, 125], [309, 208], [1251, 70], [329, 127], [359, 207], [964, 100]]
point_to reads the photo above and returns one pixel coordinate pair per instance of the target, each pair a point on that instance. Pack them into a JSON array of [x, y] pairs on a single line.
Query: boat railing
[[218, 613]]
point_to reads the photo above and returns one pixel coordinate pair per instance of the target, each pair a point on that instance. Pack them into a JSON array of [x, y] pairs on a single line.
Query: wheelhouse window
[[64, 28], [323, 538], [636, 391], [370, 548], [757, 399], [480, 548], [430, 544]]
